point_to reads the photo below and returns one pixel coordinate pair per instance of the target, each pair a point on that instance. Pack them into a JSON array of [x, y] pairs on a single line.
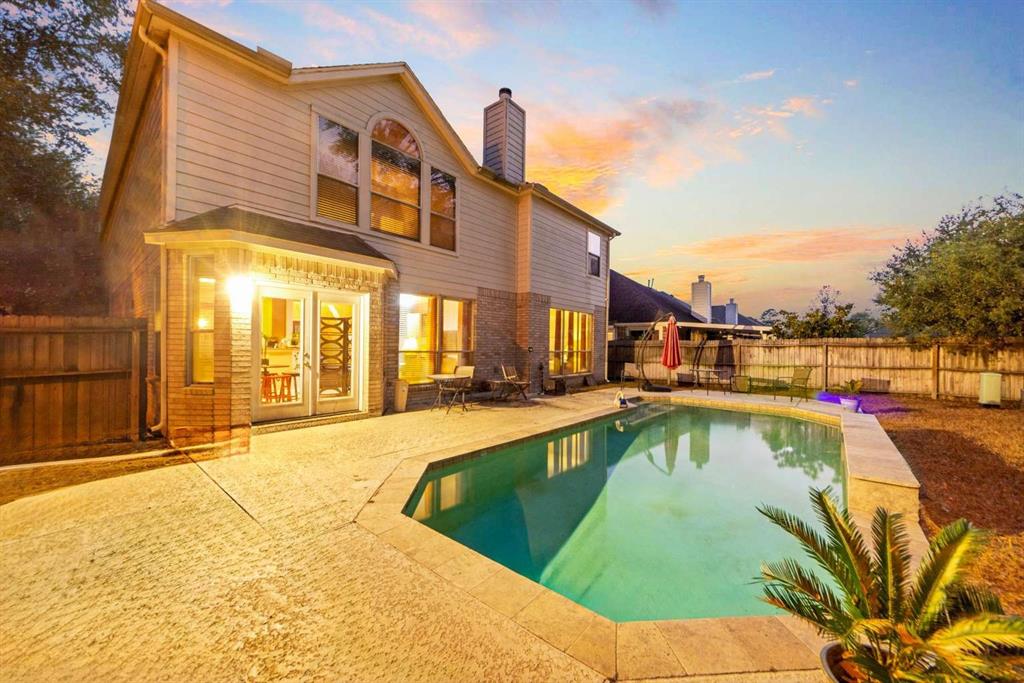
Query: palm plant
[[892, 625]]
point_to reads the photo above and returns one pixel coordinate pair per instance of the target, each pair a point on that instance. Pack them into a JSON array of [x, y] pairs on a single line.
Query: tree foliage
[[60, 65], [963, 280], [827, 317]]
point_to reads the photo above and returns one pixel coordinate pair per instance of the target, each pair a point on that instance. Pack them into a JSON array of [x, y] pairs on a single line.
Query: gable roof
[[631, 302], [153, 24]]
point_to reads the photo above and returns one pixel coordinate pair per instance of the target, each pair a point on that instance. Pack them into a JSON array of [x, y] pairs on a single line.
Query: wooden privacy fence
[[884, 365], [69, 381]]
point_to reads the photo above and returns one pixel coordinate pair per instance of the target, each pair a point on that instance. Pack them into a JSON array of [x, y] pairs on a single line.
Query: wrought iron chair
[[456, 388]]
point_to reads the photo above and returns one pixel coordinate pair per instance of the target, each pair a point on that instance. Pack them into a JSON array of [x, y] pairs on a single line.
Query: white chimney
[[505, 138], [732, 312], [700, 299]]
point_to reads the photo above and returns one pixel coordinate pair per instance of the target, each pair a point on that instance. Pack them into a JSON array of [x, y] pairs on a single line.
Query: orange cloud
[[585, 157], [799, 245], [463, 24], [754, 121], [851, 83]]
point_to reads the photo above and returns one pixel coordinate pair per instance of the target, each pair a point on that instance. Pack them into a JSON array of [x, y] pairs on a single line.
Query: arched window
[[395, 180]]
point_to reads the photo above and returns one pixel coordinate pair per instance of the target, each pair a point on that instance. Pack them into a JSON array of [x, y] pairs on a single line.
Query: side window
[[593, 253], [202, 286], [337, 180], [442, 209]]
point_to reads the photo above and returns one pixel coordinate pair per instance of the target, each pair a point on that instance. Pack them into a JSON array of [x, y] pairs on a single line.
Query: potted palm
[[888, 623], [849, 394]]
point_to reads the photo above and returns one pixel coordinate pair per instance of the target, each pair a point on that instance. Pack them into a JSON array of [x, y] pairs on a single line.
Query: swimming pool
[[645, 515]]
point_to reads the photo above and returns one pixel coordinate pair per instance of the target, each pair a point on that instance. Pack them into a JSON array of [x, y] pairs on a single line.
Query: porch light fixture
[[240, 290]]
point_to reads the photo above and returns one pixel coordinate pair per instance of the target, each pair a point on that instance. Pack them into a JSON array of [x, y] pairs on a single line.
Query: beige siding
[[558, 259], [242, 139]]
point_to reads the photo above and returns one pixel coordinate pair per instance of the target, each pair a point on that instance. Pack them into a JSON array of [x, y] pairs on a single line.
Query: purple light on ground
[[827, 397]]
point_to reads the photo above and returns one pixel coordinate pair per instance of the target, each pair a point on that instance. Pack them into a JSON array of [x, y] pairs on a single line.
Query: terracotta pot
[[833, 666]]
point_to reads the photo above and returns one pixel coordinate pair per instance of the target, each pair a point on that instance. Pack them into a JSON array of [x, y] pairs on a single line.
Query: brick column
[[600, 343], [532, 311], [495, 334], [385, 329]]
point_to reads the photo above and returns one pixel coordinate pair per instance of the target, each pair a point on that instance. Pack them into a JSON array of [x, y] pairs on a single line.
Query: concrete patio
[[252, 568]]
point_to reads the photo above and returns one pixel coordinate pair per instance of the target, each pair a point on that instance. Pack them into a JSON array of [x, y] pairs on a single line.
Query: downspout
[[162, 424]]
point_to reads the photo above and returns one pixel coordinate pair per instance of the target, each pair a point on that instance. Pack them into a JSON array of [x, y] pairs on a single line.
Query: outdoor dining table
[[440, 379]]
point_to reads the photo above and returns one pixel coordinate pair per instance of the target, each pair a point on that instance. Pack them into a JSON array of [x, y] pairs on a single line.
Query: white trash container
[[990, 389]]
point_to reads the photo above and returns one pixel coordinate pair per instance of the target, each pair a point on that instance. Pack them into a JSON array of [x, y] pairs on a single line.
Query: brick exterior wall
[[532, 311], [496, 320], [600, 342], [221, 413], [388, 333], [131, 268]]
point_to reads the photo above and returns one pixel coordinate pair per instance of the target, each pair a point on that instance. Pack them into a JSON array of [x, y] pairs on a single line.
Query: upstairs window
[[593, 253], [395, 181], [442, 209], [337, 180]]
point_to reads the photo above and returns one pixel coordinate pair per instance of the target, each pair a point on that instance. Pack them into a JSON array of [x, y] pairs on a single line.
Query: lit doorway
[[309, 352]]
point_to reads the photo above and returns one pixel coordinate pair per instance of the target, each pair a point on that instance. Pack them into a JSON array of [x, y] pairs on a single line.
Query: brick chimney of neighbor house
[[700, 298], [505, 138], [732, 312]]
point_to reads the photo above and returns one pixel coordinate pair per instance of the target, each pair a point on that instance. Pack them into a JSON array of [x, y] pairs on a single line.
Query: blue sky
[[775, 147]]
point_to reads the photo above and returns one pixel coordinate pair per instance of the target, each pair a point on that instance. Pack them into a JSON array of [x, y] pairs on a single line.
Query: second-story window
[[593, 253], [337, 180], [395, 180], [442, 209]]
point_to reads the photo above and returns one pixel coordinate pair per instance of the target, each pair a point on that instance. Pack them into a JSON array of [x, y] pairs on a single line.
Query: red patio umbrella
[[670, 353]]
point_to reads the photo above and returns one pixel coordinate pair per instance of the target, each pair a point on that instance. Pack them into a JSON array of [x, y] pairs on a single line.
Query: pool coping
[[876, 474]]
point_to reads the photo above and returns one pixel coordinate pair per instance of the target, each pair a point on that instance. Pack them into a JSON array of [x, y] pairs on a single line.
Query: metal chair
[[798, 382], [458, 387]]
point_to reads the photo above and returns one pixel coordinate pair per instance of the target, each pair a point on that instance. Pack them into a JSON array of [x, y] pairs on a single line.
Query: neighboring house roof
[[718, 316], [153, 23], [223, 221], [631, 302]]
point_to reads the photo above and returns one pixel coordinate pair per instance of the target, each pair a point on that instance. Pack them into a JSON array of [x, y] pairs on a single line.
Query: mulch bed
[[970, 462]]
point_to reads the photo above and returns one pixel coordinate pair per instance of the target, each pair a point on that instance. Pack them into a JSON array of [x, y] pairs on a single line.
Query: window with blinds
[[395, 181], [442, 209], [337, 192], [435, 335], [570, 342]]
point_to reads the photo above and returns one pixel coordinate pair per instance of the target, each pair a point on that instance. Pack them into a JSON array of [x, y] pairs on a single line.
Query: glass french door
[[307, 348], [338, 352]]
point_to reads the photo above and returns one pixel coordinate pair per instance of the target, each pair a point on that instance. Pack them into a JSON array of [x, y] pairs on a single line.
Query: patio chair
[[456, 388], [512, 385], [797, 383]]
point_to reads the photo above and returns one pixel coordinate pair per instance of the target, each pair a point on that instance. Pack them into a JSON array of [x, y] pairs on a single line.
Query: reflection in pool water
[[648, 515]]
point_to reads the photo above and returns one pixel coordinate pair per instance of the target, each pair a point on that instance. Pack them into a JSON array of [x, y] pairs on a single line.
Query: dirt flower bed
[[970, 462]]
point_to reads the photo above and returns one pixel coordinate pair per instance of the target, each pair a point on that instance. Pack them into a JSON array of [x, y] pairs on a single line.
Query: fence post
[[824, 371], [935, 370]]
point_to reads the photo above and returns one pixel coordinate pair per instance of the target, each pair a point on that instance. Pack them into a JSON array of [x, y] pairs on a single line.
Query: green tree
[[963, 280], [827, 317], [60, 66]]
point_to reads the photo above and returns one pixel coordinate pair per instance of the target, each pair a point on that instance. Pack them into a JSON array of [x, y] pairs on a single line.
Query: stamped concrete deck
[[252, 568]]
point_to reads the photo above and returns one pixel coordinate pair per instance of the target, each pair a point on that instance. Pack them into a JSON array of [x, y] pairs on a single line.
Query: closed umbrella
[[670, 353]]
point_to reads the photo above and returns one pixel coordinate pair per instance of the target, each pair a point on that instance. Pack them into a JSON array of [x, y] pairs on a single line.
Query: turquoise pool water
[[646, 515]]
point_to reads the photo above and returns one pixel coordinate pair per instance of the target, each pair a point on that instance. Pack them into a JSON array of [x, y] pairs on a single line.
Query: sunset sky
[[775, 147]]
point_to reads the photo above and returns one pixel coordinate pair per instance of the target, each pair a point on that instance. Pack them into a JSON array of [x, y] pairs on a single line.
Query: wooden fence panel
[[884, 365], [68, 381]]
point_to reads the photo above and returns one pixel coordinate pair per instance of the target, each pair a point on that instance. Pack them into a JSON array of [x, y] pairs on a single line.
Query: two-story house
[[300, 239]]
